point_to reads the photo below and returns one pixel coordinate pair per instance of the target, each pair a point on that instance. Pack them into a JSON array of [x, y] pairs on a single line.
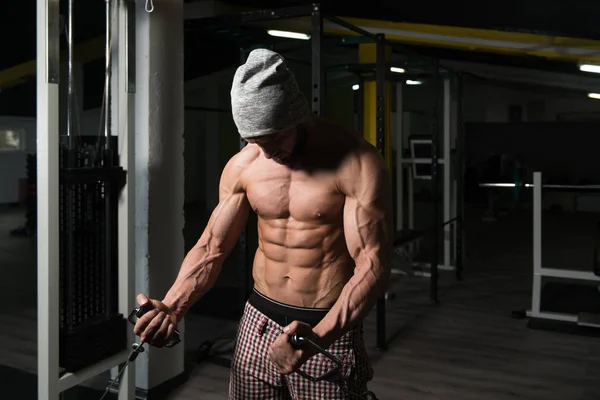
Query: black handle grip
[[298, 341], [138, 312], [333, 375]]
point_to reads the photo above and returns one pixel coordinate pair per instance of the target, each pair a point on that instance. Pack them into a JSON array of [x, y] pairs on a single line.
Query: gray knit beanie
[[265, 97]]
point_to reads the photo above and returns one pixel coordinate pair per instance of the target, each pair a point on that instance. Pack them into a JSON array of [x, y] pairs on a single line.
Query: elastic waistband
[[284, 314]]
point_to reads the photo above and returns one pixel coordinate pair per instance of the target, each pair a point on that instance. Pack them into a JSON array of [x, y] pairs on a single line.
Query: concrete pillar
[[159, 171]]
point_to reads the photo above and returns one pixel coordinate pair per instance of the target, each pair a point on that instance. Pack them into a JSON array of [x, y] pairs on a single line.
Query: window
[[12, 139]]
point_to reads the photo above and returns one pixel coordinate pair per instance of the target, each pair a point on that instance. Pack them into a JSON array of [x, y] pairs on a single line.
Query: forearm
[[197, 275], [357, 298]]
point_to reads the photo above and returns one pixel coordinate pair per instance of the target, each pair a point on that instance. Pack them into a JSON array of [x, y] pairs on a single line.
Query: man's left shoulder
[[362, 167], [363, 156]]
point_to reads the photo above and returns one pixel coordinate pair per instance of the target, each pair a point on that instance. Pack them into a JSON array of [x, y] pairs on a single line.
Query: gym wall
[[492, 103], [13, 163]]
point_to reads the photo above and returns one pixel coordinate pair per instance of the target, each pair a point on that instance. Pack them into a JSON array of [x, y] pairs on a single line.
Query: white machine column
[[123, 123], [537, 243], [450, 131], [48, 75], [159, 174]]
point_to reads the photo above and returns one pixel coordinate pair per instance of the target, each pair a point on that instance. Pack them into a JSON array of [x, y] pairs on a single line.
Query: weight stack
[[91, 328]]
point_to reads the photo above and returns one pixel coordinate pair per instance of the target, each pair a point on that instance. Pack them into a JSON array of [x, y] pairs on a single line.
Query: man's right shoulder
[[238, 164], [246, 156]]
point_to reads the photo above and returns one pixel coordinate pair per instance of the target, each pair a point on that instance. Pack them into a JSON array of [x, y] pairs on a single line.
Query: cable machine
[[85, 283]]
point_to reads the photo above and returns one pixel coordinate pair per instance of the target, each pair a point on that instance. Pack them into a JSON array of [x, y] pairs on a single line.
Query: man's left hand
[[286, 358]]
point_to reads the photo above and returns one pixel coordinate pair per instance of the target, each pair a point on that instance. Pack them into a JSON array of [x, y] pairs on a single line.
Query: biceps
[[226, 223]]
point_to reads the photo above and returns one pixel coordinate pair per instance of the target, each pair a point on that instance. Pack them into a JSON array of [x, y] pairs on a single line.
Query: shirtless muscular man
[[322, 195]]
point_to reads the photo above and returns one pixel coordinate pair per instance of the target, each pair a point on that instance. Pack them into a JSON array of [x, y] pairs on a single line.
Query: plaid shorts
[[255, 377]]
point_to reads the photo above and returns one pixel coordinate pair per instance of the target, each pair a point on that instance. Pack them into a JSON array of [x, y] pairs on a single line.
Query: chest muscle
[[282, 194]]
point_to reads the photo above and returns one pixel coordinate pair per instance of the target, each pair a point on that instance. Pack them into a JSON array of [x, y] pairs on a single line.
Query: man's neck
[[301, 143]]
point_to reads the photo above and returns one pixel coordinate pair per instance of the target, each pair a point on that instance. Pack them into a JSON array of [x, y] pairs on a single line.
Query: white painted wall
[[535, 106]]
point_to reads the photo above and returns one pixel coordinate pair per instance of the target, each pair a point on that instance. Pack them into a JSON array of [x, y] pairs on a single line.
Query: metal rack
[[449, 159], [540, 272]]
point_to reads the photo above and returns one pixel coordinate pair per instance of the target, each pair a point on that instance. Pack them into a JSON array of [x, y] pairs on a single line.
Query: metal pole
[[361, 105], [48, 77], [108, 76], [399, 158], [126, 211], [318, 76], [446, 144], [67, 200], [70, 76], [380, 74], [110, 219], [460, 176], [434, 186], [537, 244]]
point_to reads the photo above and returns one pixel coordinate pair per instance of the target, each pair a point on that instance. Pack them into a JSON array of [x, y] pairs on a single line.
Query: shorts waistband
[[284, 314]]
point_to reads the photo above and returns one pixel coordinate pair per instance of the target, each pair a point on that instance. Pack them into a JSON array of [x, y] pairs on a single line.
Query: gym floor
[[468, 347]]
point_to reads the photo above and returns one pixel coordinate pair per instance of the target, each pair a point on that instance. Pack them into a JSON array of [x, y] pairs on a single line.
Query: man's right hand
[[157, 325]]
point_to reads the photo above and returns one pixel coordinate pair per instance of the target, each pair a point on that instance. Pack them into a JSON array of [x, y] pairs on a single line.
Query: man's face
[[277, 146]]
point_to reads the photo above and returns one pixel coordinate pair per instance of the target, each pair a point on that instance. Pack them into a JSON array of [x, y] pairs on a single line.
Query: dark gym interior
[[511, 85]]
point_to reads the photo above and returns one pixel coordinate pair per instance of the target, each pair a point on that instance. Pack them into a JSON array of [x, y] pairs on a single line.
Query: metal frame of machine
[[540, 272], [50, 381]]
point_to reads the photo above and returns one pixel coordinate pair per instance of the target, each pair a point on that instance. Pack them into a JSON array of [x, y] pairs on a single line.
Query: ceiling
[[555, 18]]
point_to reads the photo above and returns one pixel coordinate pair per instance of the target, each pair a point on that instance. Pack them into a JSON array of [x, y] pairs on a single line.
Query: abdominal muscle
[[301, 264]]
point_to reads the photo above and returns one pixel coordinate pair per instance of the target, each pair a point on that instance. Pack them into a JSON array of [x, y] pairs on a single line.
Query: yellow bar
[[488, 34], [85, 52], [10, 76], [466, 39], [367, 54], [369, 112]]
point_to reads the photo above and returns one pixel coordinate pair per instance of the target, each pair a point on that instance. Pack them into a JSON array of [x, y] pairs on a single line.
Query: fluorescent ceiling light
[[590, 68], [411, 82], [289, 35], [397, 70], [355, 87], [594, 96]]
